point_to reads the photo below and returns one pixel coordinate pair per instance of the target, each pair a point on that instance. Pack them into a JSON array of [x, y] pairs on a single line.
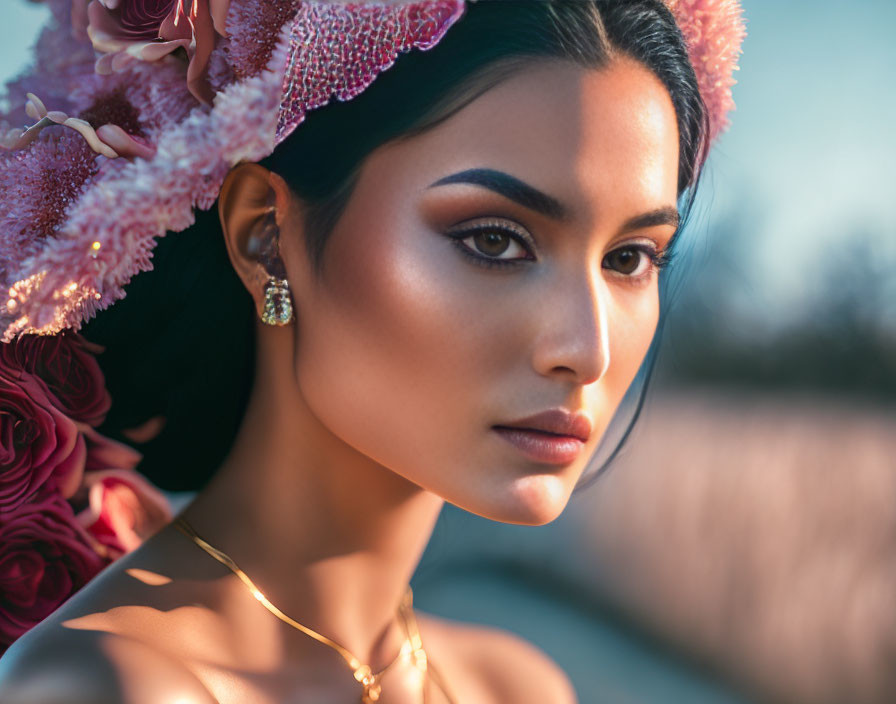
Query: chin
[[534, 500]]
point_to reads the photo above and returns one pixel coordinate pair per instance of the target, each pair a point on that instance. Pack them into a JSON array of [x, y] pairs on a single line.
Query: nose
[[574, 337]]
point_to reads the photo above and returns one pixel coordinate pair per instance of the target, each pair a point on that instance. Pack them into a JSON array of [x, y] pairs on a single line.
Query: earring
[[264, 246], [277, 302]]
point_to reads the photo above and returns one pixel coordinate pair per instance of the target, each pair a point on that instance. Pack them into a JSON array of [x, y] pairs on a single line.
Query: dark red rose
[[66, 363], [38, 443], [45, 557]]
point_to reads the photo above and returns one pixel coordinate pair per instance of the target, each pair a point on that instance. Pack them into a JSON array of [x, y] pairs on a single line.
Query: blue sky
[[810, 155]]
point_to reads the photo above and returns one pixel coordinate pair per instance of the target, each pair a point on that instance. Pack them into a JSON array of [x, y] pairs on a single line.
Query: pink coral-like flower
[[123, 510], [38, 186], [80, 259], [714, 31], [66, 363], [38, 443], [125, 31], [45, 557]]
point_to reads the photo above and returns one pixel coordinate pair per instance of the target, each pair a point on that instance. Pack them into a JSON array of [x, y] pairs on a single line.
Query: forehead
[[602, 140]]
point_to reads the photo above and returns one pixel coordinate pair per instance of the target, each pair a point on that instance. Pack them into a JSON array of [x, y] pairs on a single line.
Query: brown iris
[[492, 242], [626, 260]]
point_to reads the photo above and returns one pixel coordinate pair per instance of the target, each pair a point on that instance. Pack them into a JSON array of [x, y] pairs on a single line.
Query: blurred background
[[742, 548]]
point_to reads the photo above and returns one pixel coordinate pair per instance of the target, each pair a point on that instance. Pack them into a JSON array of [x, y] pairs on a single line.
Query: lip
[[555, 436], [557, 421], [542, 447]]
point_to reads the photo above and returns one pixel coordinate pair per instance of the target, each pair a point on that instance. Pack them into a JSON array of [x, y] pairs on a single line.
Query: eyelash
[[457, 237], [658, 260]]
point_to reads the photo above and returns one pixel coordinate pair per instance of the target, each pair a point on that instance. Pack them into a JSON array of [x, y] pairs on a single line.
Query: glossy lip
[[557, 421], [543, 447]]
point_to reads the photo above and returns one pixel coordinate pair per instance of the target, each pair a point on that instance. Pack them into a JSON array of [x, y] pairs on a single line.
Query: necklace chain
[[369, 680]]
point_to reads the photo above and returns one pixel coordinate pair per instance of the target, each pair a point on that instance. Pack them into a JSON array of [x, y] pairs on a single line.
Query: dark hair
[[181, 344]]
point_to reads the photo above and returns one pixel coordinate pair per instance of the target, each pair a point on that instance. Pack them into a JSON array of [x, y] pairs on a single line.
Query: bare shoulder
[[490, 664], [53, 665]]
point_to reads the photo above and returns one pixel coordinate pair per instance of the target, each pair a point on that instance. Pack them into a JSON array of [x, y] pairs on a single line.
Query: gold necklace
[[369, 680]]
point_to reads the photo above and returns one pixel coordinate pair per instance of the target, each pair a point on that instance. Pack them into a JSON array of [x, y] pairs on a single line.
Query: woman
[[444, 286]]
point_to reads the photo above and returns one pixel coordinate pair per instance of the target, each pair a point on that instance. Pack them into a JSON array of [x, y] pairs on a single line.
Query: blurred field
[[742, 543]]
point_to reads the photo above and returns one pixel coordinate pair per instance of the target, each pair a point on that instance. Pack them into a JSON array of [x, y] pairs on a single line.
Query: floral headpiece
[[139, 108], [146, 144]]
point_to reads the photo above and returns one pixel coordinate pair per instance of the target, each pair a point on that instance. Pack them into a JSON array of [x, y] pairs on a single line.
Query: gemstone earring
[[264, 246], [278, 308]]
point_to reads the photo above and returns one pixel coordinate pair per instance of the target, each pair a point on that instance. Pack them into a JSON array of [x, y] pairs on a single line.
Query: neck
[[329, 536]]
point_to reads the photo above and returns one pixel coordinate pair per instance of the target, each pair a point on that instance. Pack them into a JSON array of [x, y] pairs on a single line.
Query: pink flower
[[125, 31], [38, 443], [45, 557], [124, 510], [66, 364], [714, 31]]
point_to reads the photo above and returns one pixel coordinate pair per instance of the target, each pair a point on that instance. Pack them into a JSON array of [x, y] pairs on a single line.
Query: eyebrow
[[511, 188], [667, 215], [530, 197]]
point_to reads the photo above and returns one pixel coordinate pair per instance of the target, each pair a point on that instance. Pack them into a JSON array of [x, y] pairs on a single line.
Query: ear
[[245, 202]]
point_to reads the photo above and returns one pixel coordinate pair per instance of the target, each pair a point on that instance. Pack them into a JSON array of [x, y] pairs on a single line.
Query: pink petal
[[153, 51], [70, 472], [106, 453], [127, 504], [103, 65], [123, 143], [205, 35], [121, 60], [145, 432], [174, 28], [218, 10], [103, 29]]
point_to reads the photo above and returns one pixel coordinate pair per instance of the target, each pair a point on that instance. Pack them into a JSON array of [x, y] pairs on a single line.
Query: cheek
[[631, 331], [388, 355], [632, 321]]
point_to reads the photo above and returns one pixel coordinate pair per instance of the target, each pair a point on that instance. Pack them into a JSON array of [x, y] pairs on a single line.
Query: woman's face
[[455, 298]]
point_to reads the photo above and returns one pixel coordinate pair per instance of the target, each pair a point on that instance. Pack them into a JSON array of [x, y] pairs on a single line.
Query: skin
[[377, 404]]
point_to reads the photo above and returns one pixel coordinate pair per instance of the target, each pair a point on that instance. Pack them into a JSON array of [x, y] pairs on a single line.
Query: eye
[[487, 241], [636, 261]]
